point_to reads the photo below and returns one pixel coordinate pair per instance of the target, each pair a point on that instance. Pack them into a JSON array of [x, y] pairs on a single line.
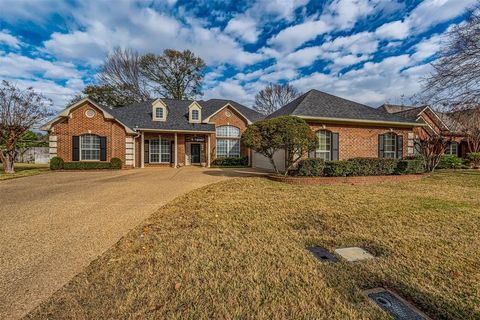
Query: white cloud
[[396, 30], [18, 66], [244, 28], [373, 84], [9, 40], [294, 36], [428, 47], [130, 26], [431, 12], [344, 14]]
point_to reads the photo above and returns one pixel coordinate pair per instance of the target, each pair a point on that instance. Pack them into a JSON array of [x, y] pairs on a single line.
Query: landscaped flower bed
[[353, 171], [358, 180]]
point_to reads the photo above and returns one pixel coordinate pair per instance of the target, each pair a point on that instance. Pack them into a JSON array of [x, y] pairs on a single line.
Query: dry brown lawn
[[24, 170], [236, 250]]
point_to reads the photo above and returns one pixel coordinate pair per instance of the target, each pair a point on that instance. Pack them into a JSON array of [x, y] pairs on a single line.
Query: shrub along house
[[160, 132], [347, 129]]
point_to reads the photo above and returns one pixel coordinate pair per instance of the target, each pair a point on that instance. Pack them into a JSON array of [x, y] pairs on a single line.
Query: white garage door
[[262, 162]]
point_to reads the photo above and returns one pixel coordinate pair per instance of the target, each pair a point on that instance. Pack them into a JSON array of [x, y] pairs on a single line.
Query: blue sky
[[370, 51]]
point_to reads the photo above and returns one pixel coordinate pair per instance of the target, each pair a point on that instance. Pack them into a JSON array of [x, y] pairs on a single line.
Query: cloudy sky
[[370, 51]]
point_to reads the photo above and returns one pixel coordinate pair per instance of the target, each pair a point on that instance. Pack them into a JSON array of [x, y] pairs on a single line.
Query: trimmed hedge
[[449, 161], [474, 159], [358, 167], [311, 167], [372, 166], [413, 166], [116, 163], [230, 162], [337, 168], [56, 163]]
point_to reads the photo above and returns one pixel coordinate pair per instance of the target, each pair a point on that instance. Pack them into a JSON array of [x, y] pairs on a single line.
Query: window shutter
[[147, 151], [335, 146], [400, 146], [381, 138], [103, 148], [75, 148]]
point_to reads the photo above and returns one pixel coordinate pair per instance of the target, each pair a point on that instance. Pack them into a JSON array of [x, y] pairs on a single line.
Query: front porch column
[[208, 151], [176, 150], [142, 151]]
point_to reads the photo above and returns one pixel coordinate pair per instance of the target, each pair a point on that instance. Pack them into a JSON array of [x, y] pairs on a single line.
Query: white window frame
[[82, 148], [164, 150], [448, 150], [164, 113], [231, 137], [197, 113], [394, 152], [326, 153]]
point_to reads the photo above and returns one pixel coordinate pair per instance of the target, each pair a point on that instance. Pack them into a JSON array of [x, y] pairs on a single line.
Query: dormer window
[[159, 111], [195, 113]]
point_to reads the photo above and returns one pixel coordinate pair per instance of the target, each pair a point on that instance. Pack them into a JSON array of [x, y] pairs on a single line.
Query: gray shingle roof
[[213, 105], [319, 104], [139, 115]]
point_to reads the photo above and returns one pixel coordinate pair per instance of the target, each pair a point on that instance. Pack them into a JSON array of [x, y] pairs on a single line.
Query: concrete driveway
[[54, 225]]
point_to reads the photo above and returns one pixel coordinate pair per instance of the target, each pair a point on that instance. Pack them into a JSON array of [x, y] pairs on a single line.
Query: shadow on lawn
[[236, 172]]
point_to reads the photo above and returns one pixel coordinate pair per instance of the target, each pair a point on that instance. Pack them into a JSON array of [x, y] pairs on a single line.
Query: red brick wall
[[78, 123], [236, 120], [360, 141]]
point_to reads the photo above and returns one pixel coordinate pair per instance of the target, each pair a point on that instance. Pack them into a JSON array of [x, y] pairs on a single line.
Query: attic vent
[[322, 254], [394, 305]]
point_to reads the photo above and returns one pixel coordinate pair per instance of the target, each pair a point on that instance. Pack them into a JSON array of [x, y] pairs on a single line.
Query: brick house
[[347, 129], [435, 123], [160, 132], [167, 132]]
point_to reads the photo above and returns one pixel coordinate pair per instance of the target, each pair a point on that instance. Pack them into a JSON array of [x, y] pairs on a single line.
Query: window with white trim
[[195, 115], [390, 145], [228, 141], [89, 147], [160, 151], [159, 112], [324, 147], [452, 148]]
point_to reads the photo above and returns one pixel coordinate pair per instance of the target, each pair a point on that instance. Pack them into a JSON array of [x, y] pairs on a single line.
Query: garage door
[[262, 162]]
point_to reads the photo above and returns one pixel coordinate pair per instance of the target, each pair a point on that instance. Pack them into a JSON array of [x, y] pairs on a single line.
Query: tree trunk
[[273, 164], [8, 163]]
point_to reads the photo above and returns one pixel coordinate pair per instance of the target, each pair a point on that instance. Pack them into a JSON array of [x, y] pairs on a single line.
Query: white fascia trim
[[227, 105], [66, 112], [169, 130], [385, 123], [436, 115]]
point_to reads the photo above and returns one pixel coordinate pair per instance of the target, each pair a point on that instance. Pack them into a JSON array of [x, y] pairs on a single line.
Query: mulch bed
[[365, 180]]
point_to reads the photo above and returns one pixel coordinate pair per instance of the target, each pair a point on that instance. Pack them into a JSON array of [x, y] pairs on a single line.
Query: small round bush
[[116, 163], [56, 163]]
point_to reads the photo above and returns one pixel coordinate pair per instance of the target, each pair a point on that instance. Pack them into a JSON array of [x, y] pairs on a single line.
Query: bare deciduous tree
[[121, 73], [455, 82], [468, 123], [431, 148], [20, 110], [273, 97], [175, 74]]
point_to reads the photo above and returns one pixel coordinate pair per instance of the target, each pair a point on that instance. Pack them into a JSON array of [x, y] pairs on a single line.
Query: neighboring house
[[347, 129], [152, 133], [180, 132], [436, 123]]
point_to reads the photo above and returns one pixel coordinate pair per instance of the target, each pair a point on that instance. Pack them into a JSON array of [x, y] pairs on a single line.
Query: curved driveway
[[53, 225]]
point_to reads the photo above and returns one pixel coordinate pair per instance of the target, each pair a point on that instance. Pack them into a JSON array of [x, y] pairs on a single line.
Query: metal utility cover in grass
[[394, 305], [322, 254], [353, 254]]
